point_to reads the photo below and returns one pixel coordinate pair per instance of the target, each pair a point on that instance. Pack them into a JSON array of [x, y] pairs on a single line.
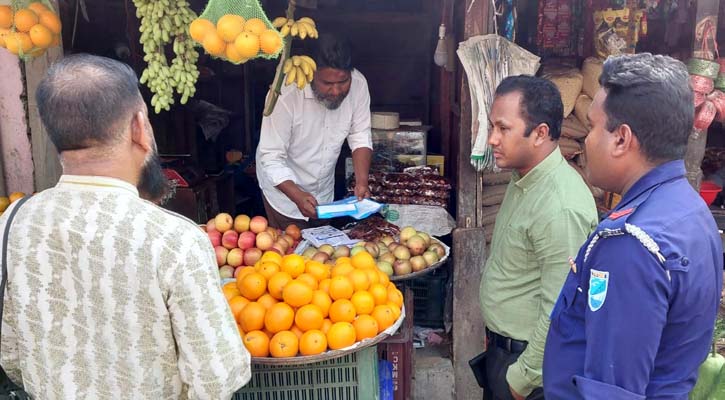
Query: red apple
[[293, 231], [264, 241], [278, 248], [252, 255], [235, 257], [241, 223], [210, 225], [223, 222], [221, 255], [258, 224], [230, 239], [246, 240], [215, 237]]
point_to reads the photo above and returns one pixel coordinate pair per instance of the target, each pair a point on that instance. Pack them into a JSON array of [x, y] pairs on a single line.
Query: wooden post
[[703, 47], [469, 243]]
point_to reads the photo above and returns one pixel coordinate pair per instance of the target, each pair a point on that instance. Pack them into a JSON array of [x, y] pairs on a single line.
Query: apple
[[247, 240], [326, 248], [258, 224], [251, 256], [402, 267], [438, 248], [264, 241], [278, 248], [386, 267], [210, 225], [293, 231], [341, 251], [230, 239], [372, 248], [407, 233], [321, 257], [426, 238], [416, 245], [241, 223], [387, 240], [226, 272], [418, 263], [431, 257], [388, 258], [309, 252], [215, 237], [401, 253], [223, 222], [356, 250], [235, 257], [221, 255]]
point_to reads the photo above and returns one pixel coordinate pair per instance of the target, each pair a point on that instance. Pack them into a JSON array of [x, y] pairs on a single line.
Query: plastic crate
[[350, 377], [398, 350], [428, 294]]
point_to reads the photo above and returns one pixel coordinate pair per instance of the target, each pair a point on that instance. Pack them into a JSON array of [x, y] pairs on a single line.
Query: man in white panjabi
[[109, 296]]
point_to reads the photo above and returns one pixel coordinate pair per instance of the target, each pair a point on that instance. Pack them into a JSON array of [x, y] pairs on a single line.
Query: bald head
[[86, 101]]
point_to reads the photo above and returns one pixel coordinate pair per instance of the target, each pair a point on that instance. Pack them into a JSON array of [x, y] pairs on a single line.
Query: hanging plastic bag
[[236, 31], [29, 28]]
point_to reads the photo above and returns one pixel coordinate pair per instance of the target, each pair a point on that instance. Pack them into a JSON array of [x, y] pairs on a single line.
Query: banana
[[279, 22], [285, 30], [308, 20], [287, 66], [310, 76], [303, 30], [291, 76], [306, 68], [295, 29], [301, 79], [297, 61], [310, 61]]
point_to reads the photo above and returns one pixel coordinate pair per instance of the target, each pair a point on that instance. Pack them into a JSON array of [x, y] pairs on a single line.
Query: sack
[[569, 82], [591, 70]]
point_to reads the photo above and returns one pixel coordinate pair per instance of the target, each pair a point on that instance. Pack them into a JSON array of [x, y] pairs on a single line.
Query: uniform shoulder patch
[[598, 285], [621, 213]]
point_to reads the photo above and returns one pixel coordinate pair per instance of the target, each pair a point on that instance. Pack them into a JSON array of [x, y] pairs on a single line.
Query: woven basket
[[591, 70], [702, 67], [569, 82]]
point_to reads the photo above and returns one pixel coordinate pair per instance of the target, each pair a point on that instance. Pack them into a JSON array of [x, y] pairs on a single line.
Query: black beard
[[153, 185], [330, 104]]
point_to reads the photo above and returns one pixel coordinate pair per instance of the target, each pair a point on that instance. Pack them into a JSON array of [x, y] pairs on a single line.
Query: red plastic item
[[709, 191], [398, 349]]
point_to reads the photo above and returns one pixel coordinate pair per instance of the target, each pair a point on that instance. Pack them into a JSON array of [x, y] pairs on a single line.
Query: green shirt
[[544, 218]]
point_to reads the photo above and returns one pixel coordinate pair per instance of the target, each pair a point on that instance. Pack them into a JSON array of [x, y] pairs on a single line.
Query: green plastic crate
[[350, 377]]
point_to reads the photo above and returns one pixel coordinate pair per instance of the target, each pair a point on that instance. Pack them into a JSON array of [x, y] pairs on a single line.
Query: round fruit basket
[[328, 355], [441, 262]]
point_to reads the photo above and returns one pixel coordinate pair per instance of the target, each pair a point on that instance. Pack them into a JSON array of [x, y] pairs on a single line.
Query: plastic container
[[428, 292], [353, 376], [709, 191]]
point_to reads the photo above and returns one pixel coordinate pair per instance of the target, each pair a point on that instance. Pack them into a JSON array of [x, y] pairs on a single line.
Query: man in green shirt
[[547, 213]]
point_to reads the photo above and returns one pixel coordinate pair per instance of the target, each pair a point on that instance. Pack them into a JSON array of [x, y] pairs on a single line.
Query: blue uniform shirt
[[635, 317]]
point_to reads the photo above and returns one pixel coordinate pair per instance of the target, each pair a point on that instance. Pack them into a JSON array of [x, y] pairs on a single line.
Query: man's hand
[[515, 395], [362, 191], [307, 204]]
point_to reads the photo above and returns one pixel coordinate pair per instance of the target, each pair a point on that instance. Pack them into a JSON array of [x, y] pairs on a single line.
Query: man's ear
[[541, 133], [623, 141], [140, 136]]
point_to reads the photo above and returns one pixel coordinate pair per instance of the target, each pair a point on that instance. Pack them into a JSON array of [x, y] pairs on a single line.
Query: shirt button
[[685, 261]]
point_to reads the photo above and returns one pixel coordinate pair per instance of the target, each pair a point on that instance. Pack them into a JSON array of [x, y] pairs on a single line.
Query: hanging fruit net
[[29, 28], [236, 31]]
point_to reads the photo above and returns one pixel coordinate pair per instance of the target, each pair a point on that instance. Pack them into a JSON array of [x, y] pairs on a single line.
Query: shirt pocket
[[517, 251]]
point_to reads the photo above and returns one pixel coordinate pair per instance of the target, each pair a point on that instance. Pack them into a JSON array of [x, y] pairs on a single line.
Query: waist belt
[[506, 343]]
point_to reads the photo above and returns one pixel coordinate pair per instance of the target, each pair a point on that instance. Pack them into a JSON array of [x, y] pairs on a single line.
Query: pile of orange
[[235, 39], [29, 31], [286, 305]]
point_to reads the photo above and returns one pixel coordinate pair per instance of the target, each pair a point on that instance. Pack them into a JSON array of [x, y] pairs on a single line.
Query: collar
[[308, 93], [658, 175], [96, 181], [542, 169]]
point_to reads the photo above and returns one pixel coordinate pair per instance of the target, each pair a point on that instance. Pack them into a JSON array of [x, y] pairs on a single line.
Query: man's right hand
[[306, 203]]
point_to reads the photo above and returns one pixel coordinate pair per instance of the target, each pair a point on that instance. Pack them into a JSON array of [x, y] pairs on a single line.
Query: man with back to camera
[[108, 295], [546, 214], [636, 315], [301, 141]]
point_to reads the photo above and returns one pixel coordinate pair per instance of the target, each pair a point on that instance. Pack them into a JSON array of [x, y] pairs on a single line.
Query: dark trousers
[[500, 354]]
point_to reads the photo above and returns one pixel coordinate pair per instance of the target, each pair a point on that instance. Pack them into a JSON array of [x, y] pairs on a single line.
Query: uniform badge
[[598, 283]]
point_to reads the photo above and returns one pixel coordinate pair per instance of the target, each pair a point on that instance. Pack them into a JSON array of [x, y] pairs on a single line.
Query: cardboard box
[[437, 161]]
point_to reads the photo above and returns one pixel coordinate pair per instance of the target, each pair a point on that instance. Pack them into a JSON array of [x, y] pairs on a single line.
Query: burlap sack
[[488, 214], [496, 178], [582, 108], [597, 193], [573, 129], [493, 195], [569, 147], [569, 83], [591, 70]]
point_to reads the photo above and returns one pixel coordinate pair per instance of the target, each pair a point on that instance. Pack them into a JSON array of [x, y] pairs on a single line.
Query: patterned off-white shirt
[[112, 297]]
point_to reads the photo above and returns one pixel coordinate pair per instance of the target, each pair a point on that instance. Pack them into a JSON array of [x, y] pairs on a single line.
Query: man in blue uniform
[[635, 317]]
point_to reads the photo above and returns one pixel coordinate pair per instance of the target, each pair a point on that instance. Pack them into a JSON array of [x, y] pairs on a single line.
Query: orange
[[308, 280], [341, 288], [213, 44], [342, 269], [379, 292], [14, 196], [37, 7], [41, 36], [384, 278], [199, 28], [341, 335], [297, 331], [51, 21], [395, 297], [229, 26], [270, 42], [322, 301], [359, 279], [395, 309], [373, 276], [267, 269], [363, 260], [16, 43], [309, 317], [247, 44], [25, 19], [277, 283], [272, 256], [237, 304], [257, 343], [363, 301], [313, 342], [297, 294], [253, 285], [326, 324], [293, 264], [284, 344], [242, 273], [241, 331], [255, 26], [267, 301], [232, 55], [279, 317], [342, 260], [385, 317], [317, 269], [342, 311], [325, 285], [251, 318], [230, 290], [4, 201], [6, 17], [365, 327]]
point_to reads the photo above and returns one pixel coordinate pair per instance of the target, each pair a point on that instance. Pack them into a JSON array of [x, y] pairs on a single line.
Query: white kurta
[[302, 139], [110, 297]]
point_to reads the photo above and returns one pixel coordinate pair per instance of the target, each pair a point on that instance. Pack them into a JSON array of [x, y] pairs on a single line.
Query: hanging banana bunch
[[299, 70], [302, 28]]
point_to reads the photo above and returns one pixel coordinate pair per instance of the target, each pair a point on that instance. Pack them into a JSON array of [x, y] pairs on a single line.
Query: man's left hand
[[515, 395], [362, 191]]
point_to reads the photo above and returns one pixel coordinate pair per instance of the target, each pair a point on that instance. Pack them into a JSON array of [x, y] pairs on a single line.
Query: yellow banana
[[310, 76], [303, 30], [301, 78], [308, 20], [279, 22], [291, 76], [297, 61], [306, 68], [287, 66], [310, 61], [295, 29], [284, 31]]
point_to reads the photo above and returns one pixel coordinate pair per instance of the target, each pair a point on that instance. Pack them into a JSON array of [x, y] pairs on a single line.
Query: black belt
[[506, 343]]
